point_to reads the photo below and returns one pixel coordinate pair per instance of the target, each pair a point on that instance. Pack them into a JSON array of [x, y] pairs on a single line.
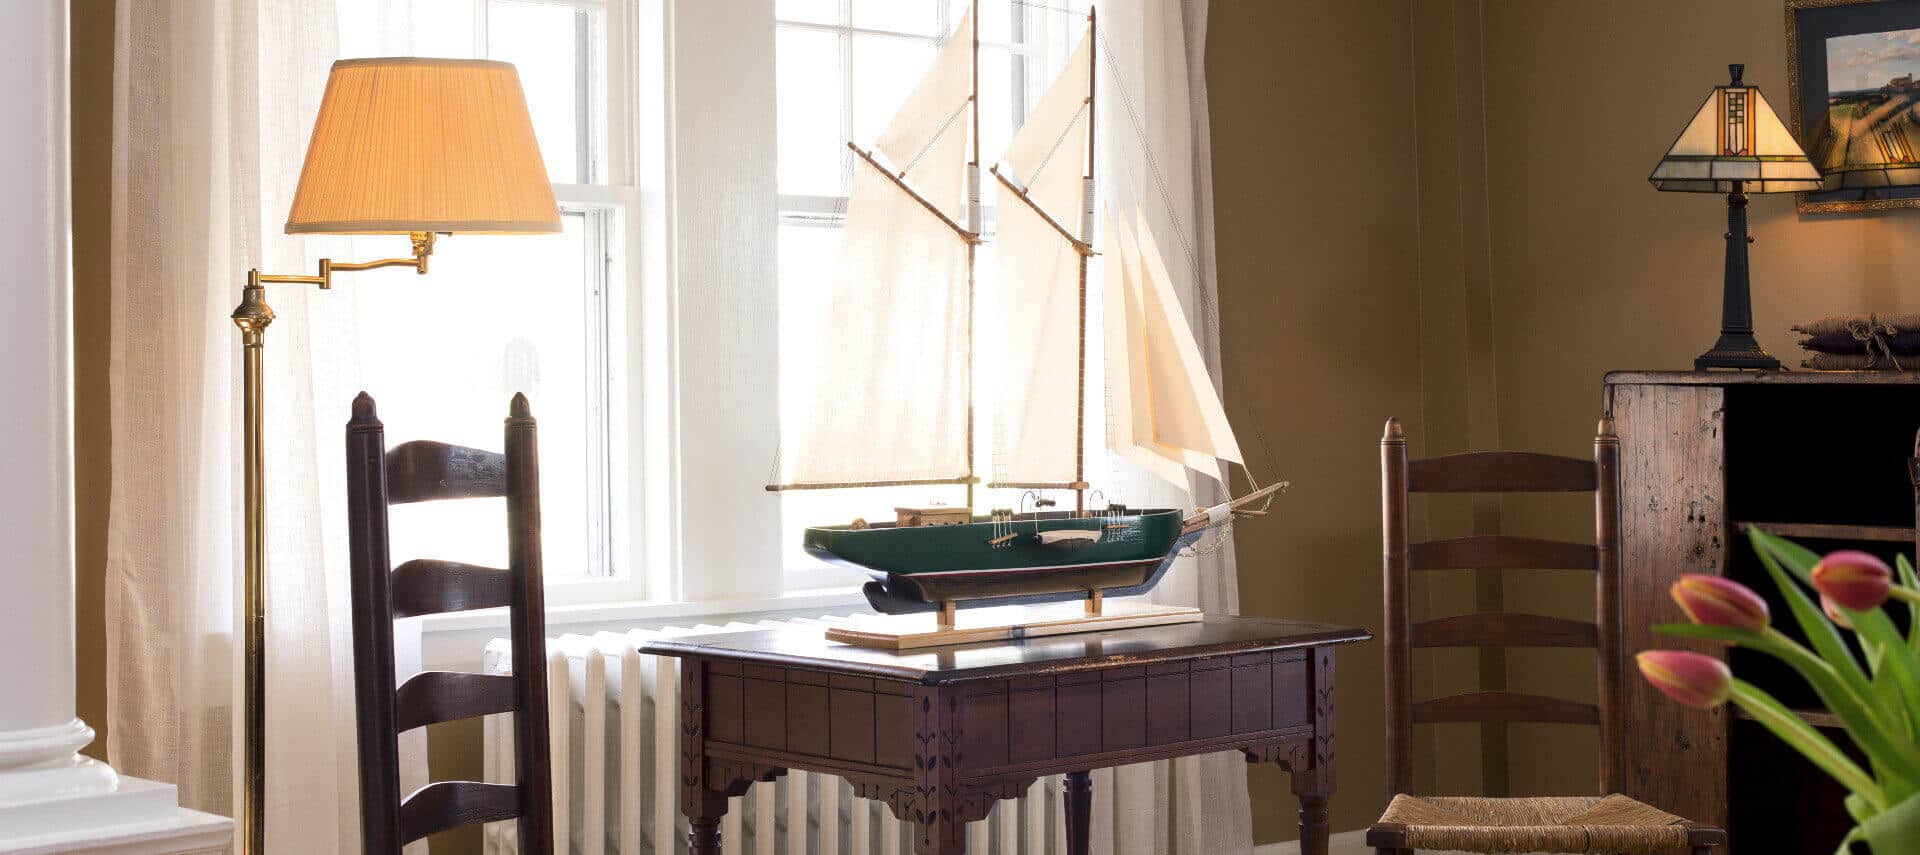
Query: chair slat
[[1501, 472], [426, 471], [427, 586], [1504, 706], [431, 697], [441, 805], [1504, 629], [1501, 552]]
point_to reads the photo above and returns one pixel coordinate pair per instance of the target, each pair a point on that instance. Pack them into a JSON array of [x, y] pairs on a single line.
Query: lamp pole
[[1736, 347], [253, 316]]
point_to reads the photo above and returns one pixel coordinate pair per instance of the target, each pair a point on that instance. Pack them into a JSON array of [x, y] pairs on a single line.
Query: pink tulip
[[1853, 579], [1717, 601], [1692, 679], [1834, 613]]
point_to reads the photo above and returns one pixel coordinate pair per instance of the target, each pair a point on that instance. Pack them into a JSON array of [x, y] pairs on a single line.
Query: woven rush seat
[[1547, 824]]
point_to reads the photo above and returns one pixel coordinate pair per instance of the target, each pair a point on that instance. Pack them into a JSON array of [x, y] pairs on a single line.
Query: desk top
[[807, 647]]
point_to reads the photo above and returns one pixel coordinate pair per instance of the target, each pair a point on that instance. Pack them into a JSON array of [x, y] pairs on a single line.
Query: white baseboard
[[1345, 843]]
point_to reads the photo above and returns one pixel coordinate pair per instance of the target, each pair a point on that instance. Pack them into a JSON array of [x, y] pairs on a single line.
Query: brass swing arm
[[422, 248]]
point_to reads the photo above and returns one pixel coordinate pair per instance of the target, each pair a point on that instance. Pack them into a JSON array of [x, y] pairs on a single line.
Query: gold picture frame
[[1823, 19]]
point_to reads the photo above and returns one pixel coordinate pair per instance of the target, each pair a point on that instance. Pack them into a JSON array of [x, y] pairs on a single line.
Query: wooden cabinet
[[1822, 458]]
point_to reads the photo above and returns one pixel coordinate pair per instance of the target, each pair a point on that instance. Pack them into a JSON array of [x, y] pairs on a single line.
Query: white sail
[[1130, 428], [1163, 401], [1033, 319], [887, 399], [927, 138]]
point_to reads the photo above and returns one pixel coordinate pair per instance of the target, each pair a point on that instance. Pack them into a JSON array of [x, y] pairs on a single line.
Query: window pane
[[921, 17], [544, 41], [885, 70], [809, 11], [443, 28], [504, 314], [996, 19], [1000, 104], [812, 112]]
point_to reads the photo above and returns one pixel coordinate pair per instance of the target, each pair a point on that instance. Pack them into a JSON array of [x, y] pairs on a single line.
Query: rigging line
[[944, 127], [1055, 148]]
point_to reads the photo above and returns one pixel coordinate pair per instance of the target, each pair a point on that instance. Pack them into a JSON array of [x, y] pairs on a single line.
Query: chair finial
[[1393, 430], [363, 408], [520, 409]]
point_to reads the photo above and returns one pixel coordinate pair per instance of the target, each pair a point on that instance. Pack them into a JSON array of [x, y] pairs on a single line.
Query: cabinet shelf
[[1827, 531], [1817, 718]]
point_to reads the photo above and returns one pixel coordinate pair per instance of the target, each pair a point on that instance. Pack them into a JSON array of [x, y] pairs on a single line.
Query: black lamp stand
[[1737, 347]]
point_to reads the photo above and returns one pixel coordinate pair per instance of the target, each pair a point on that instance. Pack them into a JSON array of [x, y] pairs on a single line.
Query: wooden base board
[[1003, 623]]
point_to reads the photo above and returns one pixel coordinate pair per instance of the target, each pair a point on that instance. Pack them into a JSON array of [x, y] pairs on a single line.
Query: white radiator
[[614, 714]]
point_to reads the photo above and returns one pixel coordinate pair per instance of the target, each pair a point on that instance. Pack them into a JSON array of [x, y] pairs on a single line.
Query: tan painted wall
[[1313, 144], [91, 94]]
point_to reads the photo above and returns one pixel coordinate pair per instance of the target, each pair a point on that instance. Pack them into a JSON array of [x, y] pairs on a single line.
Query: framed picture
[[1853, 82]]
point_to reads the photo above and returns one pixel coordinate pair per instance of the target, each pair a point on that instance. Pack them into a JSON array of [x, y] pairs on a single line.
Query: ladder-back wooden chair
[[424, 472], [1612, 823]]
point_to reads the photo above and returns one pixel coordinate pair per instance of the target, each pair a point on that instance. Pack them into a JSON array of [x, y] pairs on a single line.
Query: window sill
[[561, 618], [454, 641]]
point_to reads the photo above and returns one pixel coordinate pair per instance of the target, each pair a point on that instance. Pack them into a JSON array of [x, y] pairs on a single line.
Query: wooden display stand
[[1003, 623]]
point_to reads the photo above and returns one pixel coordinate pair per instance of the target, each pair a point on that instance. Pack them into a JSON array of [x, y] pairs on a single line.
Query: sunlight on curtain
[[212, 105]]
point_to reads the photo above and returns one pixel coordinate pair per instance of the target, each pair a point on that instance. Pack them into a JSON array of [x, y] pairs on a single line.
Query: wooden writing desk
[[939, 735]]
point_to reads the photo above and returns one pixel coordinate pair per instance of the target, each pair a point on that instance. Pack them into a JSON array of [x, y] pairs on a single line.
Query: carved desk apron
[[940, 734]]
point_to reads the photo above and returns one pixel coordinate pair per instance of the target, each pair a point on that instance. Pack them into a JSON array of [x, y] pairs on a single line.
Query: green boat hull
[[915, 568]]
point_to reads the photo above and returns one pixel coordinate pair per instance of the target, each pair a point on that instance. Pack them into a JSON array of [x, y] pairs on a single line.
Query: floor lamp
[[420, 147]]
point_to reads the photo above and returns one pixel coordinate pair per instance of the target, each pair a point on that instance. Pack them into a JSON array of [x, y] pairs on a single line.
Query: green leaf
[[1774, 551], [1909, 579], [1876, 629], [1797, 558], [1895, 829], [1846, 843], [1868, 727], [1809, 742]]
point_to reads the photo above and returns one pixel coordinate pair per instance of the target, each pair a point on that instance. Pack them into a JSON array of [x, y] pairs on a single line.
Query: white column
[[51, 798]]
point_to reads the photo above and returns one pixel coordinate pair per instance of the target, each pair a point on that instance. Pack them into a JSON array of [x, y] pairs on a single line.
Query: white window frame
[[620, 560]]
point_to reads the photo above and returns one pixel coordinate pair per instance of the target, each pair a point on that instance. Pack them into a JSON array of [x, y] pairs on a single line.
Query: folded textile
[[1848, 323], [1856, 362], [1901, 343]]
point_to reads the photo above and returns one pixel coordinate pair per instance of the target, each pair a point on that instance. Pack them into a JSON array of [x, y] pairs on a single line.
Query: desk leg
[[703, 835], [1079, 810], [1313, 788]]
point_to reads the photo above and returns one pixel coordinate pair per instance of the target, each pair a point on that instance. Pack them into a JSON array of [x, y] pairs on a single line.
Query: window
[[548, 315], [843, 68]]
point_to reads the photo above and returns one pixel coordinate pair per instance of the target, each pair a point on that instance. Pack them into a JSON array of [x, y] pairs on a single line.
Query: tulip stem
[[1905, 594], [1809, 742]]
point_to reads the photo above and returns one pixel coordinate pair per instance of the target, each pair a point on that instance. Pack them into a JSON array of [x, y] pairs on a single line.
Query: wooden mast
[[973, 223], [1086, 227]]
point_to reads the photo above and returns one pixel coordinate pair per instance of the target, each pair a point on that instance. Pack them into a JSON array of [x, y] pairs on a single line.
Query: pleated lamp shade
[[408, 144], [1735, 136]]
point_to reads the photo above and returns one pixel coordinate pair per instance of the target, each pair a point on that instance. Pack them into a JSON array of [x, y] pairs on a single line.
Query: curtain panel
[[213, 101]]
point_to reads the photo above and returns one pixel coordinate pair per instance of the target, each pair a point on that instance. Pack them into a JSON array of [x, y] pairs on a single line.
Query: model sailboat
[[893, 401]]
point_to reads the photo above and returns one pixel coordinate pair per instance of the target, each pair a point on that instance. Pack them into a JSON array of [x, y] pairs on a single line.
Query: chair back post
[[1395, 636], [1606, 515], [373, 675], [529, 633]]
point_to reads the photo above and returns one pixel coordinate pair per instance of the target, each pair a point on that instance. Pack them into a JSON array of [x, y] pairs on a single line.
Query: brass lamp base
[[253, 316]]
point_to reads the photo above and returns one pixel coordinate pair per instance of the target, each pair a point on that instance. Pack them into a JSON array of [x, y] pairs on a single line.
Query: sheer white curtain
[[213, 101], [1155, 152]]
